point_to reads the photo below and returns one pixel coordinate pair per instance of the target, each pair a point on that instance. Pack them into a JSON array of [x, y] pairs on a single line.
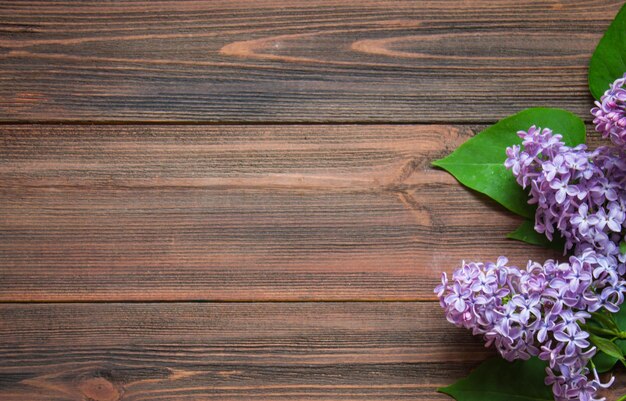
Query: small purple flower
[[570, 320], [583, 220], [604, 189], [551, 354], [608, 299], [543, 328], [485, 282], [616, 217], [572, 340], [441, 288], [562, 188], [458, 297]]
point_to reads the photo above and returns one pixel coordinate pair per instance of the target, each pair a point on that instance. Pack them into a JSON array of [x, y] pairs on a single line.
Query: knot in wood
[[99, 389]]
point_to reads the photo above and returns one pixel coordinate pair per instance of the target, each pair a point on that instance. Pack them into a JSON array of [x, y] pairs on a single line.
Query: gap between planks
[[249, 123], [220, 301]]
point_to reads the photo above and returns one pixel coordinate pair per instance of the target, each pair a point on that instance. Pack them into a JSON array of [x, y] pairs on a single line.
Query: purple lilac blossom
[[610, 113], [535, 312], [579, 193], [538, 311]]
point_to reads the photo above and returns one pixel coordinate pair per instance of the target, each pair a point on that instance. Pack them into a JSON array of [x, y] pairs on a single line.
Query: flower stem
[[604, 332]]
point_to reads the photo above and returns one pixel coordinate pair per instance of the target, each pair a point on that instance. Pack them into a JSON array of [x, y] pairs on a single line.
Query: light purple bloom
[[610, 113], [579, 193], [538, 311], [583, 220], [572, 340]]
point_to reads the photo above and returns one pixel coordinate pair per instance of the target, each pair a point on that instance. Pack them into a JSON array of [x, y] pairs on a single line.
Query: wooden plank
[[237, 213], [233, 351], [295, 60], [203, 351]]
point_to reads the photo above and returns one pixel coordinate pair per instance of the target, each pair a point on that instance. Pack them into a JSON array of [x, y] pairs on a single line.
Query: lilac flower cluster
[[535, 312], [579, 193], [538, 311], [610, 113]]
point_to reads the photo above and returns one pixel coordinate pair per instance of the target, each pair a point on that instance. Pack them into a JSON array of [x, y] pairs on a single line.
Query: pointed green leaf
[[620, 317], [605, 362], [609, 59], [499, 380], [526, 233], [479, 162], [606, 346], [604, 319]]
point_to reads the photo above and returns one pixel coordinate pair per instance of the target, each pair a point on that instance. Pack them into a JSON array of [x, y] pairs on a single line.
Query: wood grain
[[237, 213], [231, 351], [200, 351], [93, 215], [295, 61]]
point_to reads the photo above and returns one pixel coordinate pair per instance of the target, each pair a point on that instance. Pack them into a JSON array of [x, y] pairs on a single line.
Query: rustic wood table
[[233, 200]]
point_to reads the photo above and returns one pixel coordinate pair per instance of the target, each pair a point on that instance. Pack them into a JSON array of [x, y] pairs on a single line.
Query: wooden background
[[233, 200]]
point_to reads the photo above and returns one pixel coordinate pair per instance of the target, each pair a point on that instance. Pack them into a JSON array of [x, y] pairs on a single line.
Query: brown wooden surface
[[237, 213], [268, 351], [232, 351], [303, 60], [315, 246]]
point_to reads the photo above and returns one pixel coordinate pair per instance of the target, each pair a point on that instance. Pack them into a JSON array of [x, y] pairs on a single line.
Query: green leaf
[[479, 162], [622, 247], [499, 380], [526, 233], [605, 320], [609, 59], [620, 317], [605, 362], [606, 346]]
